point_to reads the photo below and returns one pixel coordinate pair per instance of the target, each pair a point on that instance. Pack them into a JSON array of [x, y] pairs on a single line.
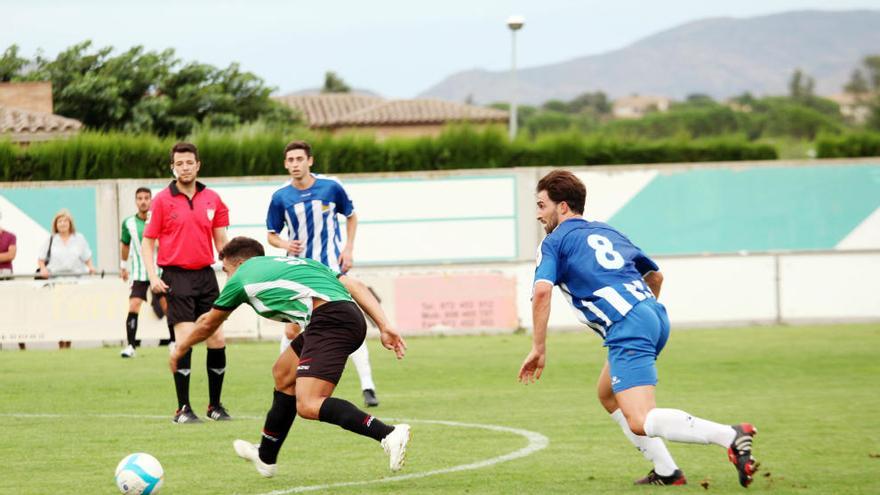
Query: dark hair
[[298, 145], [242, 248], [564, 186], [143, 189], [184, 148]]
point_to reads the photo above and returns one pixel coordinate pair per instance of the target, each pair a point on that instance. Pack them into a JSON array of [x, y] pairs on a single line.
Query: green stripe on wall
[[758, 209], [42, 203]]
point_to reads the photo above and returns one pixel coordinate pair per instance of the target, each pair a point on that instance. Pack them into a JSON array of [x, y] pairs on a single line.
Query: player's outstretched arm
[[206, 325], [367, 301], [533, 364]]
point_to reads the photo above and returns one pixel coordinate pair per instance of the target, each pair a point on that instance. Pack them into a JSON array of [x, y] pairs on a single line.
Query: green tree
[[800, 85], [334, 84], [857, 85], [596, 103], [11, 64], [141, 91]]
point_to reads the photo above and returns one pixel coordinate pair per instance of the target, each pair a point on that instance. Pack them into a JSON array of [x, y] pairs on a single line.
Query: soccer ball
[[139, 474]]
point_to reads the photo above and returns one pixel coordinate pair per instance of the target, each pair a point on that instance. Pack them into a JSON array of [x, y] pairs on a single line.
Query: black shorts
[[191, 293], [336, 330], [139, 289]]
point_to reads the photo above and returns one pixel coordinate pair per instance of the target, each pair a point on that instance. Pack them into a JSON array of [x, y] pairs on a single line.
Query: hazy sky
[[397, 48]]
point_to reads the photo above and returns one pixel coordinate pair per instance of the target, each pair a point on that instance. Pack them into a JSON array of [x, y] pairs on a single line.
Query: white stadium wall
[[454, 251]]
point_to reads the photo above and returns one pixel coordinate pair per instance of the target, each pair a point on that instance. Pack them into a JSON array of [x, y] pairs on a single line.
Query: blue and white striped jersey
[[310, 215], [598, 270]]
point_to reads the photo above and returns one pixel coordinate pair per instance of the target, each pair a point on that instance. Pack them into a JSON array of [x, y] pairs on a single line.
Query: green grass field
[[67, 418]]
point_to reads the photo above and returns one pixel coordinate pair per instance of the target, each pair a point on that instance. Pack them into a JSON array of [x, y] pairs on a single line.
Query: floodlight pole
[[515, 23]]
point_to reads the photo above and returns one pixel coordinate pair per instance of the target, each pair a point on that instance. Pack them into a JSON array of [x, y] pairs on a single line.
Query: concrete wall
[[779, 251]]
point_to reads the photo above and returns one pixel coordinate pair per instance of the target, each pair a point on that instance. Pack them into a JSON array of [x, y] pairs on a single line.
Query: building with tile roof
[[345, 113]]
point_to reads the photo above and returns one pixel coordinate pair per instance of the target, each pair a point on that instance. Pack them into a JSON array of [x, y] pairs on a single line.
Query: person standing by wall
[[132, 268], [185, 218], [308, 207]]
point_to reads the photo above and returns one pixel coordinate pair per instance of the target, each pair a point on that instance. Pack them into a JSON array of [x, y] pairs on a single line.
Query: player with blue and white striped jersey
[[612, 287], [308, 207]]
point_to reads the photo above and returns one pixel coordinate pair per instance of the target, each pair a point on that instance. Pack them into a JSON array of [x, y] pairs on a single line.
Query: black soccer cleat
[[740, 453], [218, 413], [184, 415], [370, 399], [676, 478]]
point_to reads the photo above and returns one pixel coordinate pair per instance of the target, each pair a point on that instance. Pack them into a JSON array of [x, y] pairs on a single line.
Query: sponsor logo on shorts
[[303, 367], [615, 380]]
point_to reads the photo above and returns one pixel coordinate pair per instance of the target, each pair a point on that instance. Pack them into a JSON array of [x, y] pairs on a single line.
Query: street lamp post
[[515, 23]]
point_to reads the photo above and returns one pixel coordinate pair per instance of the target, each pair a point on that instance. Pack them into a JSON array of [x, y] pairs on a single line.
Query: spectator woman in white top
[[66, 252]]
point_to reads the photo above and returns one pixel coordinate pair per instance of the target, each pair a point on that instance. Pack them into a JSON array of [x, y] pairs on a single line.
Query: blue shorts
[[634, 343]]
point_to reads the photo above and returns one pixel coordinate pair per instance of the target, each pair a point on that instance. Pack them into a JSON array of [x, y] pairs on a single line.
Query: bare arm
[[295, 247], [205, 327], [9, 255], [533, 365], [148, 247], [347, 256], [654, 281], [123, 257], [367, 301], [220, 238]]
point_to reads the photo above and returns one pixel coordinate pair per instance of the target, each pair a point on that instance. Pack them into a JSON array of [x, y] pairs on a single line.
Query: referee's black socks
[[216, 364], [181, 379], [345, 414], [279, 419]]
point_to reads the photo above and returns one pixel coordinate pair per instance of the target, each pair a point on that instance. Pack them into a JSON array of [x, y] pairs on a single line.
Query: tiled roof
[[323, 110], [27, 126], [402, 112], [338, 110]]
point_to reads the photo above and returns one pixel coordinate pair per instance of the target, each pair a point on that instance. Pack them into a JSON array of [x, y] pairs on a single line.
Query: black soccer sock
[[216, 364], [131, 327], [345, 414], [181, 379], [279, 419]]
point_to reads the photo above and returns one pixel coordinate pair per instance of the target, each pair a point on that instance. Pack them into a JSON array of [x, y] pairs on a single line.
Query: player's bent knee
[[309, 407], [636, 423]]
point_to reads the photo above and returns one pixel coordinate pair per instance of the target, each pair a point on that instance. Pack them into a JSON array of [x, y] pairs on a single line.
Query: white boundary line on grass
[[536, 440]]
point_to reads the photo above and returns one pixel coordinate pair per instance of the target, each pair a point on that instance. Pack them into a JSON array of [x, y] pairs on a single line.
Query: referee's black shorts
[[192, 293], [336, 330]]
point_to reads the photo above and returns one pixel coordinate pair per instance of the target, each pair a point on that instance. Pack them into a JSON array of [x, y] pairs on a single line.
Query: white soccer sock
[[653, 449], [285, 343], [678, 426], [361, 360]]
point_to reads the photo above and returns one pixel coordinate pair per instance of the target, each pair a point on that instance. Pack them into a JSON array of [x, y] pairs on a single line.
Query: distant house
[[636, 106], [26, 114], [342, 113], [853, 107]]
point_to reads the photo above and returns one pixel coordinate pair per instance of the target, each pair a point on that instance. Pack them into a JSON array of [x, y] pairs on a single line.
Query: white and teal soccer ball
[[139, 474]]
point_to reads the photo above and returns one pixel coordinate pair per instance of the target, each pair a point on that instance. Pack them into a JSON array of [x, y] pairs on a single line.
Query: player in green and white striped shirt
[[132, 265], [306, 292]]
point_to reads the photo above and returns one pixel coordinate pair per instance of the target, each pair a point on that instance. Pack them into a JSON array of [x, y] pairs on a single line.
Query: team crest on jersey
[[211, 214]]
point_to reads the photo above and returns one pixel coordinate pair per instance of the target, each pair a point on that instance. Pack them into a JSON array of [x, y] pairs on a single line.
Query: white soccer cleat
[[127, 352], [395, 445], [251, 452]]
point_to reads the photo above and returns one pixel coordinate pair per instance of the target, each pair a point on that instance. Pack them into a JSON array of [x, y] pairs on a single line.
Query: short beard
[[551, 225]]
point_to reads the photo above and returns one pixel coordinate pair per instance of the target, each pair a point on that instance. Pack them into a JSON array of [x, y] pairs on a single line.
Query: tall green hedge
[[848, 145], [114, 155]]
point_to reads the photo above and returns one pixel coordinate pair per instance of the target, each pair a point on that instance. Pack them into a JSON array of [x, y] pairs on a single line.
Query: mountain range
[[721, 57]]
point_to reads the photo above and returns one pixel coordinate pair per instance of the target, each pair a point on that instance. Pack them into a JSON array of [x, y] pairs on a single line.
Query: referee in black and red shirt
[[185, 217]]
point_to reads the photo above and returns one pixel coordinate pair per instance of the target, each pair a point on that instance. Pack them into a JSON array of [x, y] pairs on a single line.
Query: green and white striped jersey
[[281, 288], [132, 235]]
